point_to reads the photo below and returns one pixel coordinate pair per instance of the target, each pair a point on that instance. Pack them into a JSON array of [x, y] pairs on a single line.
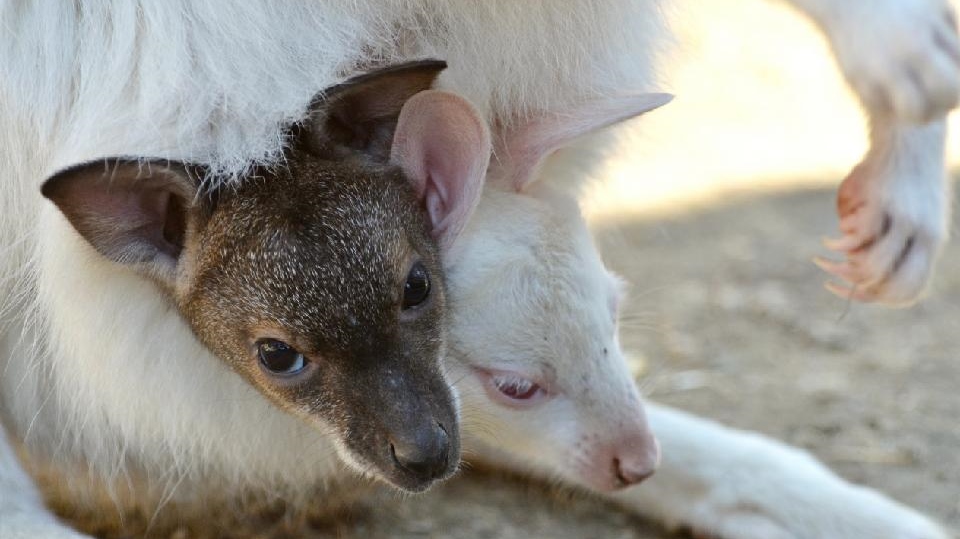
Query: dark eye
[[417, 288], [280, 358]]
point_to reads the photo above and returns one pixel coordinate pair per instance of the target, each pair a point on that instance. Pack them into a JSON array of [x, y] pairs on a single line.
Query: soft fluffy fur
[[191, 81]]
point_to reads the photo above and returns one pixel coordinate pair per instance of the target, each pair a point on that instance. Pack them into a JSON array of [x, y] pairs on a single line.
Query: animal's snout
[[632, 467], [413, 419], [424, 452], [619, 463]]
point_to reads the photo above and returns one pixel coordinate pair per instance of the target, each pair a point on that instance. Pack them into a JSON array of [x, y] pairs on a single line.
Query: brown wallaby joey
[[319, 279]]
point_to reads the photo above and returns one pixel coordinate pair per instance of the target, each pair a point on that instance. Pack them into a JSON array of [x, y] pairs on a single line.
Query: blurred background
[[760, 105]]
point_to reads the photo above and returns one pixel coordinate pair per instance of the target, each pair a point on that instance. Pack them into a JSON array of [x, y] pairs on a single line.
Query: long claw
[[845, 244], [844, 270], [855, 293]]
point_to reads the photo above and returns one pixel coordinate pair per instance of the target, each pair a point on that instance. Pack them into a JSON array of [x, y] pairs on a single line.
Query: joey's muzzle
[[422, 451], [413, 435]]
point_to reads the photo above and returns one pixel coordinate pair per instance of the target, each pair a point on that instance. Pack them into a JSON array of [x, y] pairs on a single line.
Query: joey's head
[[318, 281], [535, 317]]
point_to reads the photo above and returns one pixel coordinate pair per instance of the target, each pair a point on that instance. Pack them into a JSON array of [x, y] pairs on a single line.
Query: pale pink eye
[[516, 388]]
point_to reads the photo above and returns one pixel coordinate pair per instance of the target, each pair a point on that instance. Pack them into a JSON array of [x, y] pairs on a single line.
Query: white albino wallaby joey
[[318, 281], [544, 338], [546, 390]]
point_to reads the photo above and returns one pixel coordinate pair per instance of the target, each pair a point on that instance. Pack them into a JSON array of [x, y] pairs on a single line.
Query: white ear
[[522, 148], [443, 146]]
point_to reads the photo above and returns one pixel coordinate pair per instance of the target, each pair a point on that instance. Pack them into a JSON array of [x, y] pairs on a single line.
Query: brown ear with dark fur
[[133, 212], [356, 119]]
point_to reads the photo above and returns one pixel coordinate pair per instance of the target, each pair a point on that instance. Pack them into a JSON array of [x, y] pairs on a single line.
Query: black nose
[[424, 452]]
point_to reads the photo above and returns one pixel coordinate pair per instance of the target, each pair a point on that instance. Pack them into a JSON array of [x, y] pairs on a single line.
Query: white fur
[[195, 81], [901, 56]]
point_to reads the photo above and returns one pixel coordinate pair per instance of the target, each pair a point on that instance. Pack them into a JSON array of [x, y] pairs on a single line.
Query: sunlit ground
[[760, 106]]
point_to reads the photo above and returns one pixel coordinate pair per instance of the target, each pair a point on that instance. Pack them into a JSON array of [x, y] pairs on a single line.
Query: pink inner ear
[[443, 146], [522, 148], [140, 213], [130, 211], [436, 209]]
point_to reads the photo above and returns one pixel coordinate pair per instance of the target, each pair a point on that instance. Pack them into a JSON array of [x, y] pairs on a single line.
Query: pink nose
[[618, 465], [634, 467]]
